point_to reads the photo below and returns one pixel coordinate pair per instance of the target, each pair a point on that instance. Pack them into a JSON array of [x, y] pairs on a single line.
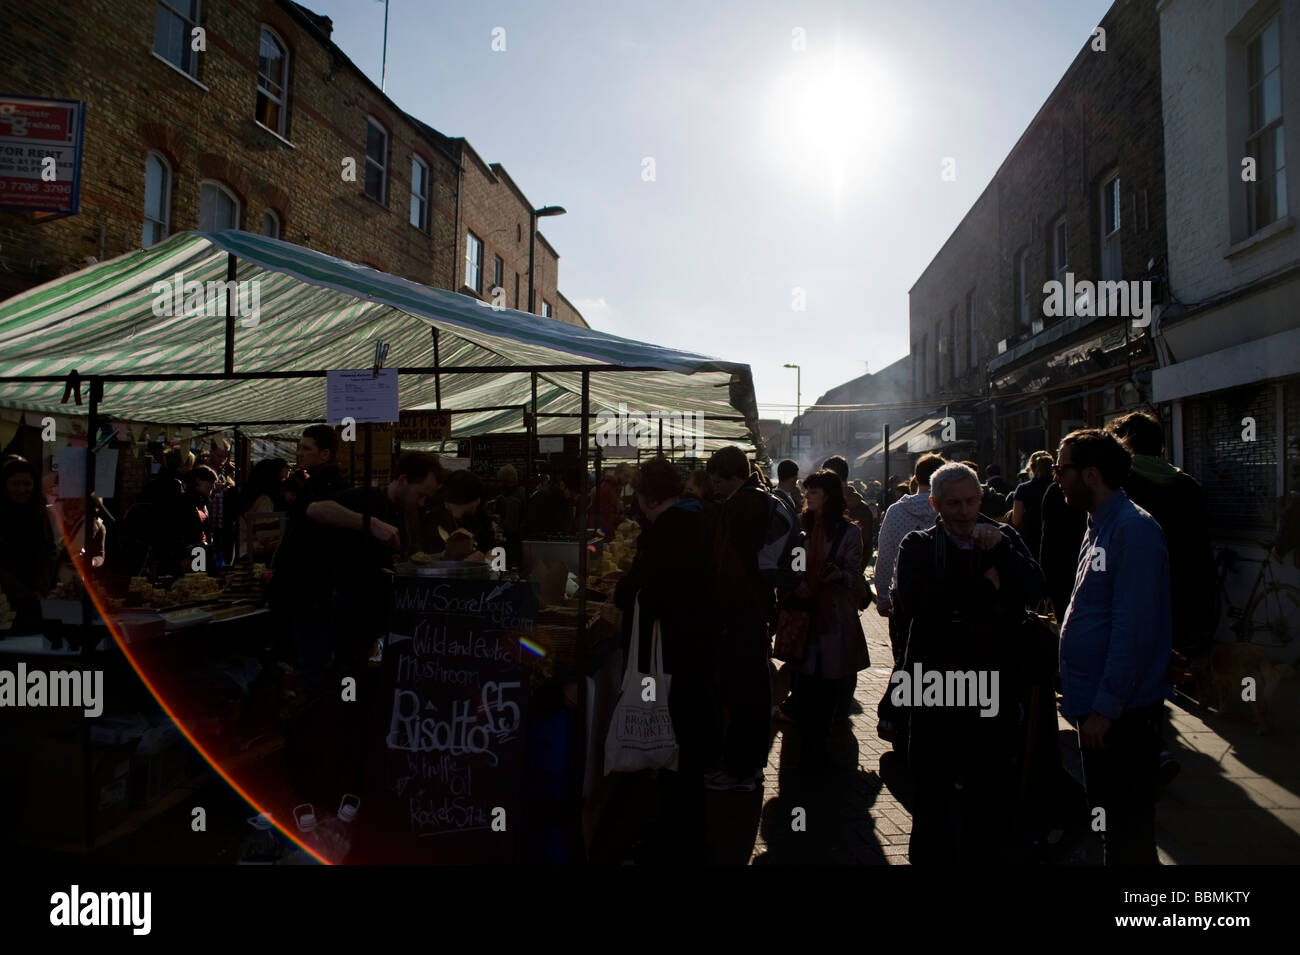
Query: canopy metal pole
[[532, 476], [322, 372], [582, 515], [230, 313], [530, 426], [437, 375], [88, 519], [885, 489]]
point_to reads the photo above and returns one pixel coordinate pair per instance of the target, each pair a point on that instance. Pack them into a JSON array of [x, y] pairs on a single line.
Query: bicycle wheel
[[1273, 617]]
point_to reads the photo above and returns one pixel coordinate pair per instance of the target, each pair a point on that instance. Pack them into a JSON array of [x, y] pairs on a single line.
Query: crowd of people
[[705, 571], [1109, 539], [1105, 536]]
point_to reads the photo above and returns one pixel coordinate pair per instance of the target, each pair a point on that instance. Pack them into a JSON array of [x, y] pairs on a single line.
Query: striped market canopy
[[316, 312]]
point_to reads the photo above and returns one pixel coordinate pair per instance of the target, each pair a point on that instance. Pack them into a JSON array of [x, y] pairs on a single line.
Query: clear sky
[[775, 168]]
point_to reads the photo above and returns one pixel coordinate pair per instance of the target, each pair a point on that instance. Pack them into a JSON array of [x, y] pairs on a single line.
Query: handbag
[[792, 626], [641, 732]]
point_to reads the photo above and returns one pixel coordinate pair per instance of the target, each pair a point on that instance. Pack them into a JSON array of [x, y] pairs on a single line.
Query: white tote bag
[[641, 730]]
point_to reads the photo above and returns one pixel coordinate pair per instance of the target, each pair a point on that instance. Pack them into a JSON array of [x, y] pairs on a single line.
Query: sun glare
[[830, 117]]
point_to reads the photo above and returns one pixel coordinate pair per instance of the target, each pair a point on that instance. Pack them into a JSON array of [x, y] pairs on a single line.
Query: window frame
[[279, 223], [547, 311], [925, 362], [1275, 128], [474, 242], [498, 272], [1060, 249], [222, 187], [1023, 293], [938, 356], [954, 358], [283, 100], [186, 35], [422, 197], [166, 221], [382, 198], [1111, 249], [972, 332]]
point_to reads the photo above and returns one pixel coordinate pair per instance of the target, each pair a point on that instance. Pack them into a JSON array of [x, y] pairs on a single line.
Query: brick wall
[[101, 52], [1103, 116], [1205, 105]]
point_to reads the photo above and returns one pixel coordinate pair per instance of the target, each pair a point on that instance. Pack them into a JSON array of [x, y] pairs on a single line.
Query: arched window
[[272, 82], [218, 208], [271, 224], [157, 200]]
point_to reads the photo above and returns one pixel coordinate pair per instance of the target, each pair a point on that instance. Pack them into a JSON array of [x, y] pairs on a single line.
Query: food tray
[[179, 620]]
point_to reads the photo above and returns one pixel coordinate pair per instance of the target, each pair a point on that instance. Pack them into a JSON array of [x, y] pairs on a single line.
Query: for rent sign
[[40, 154]]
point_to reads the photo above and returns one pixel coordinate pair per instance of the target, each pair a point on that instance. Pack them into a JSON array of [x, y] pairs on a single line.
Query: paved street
[[1236, 800]]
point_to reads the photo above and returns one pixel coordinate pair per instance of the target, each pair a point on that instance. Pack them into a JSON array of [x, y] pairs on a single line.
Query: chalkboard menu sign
[[490, 452], [446, 749]]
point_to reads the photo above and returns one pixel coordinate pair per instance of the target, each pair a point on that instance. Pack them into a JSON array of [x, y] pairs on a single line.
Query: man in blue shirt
[[1115, 644]]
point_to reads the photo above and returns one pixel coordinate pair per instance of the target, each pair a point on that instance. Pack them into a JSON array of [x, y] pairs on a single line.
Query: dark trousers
[[1123, 780], [818, 700], [745, 692], [683, 834], [959, 813]]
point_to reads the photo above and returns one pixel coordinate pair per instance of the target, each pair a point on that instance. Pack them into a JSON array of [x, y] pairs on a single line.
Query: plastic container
[[262, 846], [304, 817], [335, 835]]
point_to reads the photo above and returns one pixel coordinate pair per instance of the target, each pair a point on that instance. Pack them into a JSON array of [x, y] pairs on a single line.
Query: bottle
[[262, 846], [307, 834], [335, 835]]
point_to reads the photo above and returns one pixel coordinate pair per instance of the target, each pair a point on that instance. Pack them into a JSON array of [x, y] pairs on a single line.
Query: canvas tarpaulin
[[316, 312]]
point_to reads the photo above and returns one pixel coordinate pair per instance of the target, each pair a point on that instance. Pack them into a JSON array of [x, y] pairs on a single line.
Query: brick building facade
[[1229, 343], [1081, 192], [257, 130]]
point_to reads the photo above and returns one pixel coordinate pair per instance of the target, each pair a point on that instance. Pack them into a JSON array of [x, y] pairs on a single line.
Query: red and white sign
[[33, 132]]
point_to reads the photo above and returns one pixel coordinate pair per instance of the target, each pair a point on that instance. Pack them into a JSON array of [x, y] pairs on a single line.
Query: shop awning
[[317, 312], [898, 440]]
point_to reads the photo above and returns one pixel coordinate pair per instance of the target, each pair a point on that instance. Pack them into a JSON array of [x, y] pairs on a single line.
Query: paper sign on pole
[[361, 396]]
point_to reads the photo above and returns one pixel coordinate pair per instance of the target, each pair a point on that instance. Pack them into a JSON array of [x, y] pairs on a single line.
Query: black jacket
[[672, 576], [1058, 550], [955, 619], [1179, 508]]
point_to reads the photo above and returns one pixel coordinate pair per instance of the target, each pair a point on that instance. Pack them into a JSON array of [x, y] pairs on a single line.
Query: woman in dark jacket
[[837, 648], [670, 576]]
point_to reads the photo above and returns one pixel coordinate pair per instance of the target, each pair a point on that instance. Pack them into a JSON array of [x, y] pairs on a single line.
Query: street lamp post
[[798, 397], [533, 216]]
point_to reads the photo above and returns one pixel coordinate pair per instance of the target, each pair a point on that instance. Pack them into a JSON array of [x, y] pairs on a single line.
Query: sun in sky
[[830, 116]]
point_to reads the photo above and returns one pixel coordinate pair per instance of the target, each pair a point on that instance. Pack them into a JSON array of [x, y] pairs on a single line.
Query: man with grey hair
[[964, 586]]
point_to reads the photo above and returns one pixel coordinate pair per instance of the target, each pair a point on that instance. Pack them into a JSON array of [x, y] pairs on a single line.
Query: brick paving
[[1236, 800], [851, 817]]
